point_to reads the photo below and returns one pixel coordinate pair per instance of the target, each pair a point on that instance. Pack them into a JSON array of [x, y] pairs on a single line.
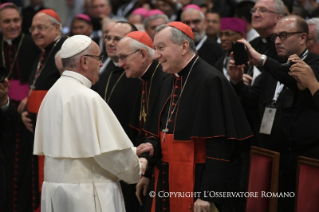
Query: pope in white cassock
[[86, 150]]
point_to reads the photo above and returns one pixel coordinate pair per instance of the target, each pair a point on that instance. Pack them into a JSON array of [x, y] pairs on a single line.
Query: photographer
[[288, 125], [8, 119]]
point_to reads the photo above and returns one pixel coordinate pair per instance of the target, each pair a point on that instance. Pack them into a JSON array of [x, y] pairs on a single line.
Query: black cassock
[[210, 51], [18, 58], [208, 111], [120, 94], [151, 84], [8, 122]]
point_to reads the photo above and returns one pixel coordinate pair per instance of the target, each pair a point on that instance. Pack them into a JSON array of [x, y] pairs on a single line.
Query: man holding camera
[[288, 125], [8, 120], [231, 29]]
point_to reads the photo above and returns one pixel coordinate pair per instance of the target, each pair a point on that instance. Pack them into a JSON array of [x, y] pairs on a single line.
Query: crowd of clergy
[[147, 95]]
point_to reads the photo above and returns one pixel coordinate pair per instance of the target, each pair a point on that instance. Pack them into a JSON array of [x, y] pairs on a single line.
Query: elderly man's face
[[44, 32], [129, 59], [152, 24], [115, 34], [265, 17], [294, 43], [312, 45], [10, 23], [81, 27], [168, 53], [227, 37], [93, 63], [194, 20], [101, 8]]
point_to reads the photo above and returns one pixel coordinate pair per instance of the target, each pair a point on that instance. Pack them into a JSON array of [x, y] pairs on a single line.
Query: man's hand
[[144, 163], [302, 73], [247, 79], [254, 56], [235, 71], [22, 104], [142, 186], [201, 206], [27, 121], [4, 92], [145, 147]]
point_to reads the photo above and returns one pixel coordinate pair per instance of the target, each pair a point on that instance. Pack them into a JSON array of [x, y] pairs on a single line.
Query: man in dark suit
[[8, 120]]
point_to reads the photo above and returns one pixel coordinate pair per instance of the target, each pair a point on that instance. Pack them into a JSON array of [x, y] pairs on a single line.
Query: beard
[[198, 37]]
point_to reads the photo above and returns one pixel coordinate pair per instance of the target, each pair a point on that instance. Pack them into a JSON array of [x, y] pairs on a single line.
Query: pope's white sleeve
[[122, 163]]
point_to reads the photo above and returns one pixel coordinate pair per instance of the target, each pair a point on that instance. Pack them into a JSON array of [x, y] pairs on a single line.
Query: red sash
[[34, 102], [182, 157], [35, 99]]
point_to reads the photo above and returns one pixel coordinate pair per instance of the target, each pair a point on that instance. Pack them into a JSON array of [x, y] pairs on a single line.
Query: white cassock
[[86, 150]]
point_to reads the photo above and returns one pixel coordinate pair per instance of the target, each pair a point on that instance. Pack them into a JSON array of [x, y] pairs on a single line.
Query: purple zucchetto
[[234, 24]]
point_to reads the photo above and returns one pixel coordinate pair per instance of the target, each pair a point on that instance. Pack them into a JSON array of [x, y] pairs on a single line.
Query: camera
[[3, 72], [286, 66], [240, 53]]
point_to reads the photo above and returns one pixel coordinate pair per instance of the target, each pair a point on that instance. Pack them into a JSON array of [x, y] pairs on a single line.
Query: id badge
[[268, 120]]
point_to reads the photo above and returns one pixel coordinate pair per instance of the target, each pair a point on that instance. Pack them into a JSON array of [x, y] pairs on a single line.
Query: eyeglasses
[[124, 57], [40, 28], [282, 35], [110, 38], [194, 22], [100, 57], [261, 10], [226, 34]]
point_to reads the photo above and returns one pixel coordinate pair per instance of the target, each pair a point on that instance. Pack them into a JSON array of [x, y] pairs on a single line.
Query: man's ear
[[185, 47]]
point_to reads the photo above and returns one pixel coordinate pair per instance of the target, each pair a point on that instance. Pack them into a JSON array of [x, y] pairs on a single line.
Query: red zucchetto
[[51, 13], [183, 27], [141, 37]]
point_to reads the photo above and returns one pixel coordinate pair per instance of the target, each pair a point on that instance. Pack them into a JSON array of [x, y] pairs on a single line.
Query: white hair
[[134, 44], [314, 21], [55, 21], [202, 16]]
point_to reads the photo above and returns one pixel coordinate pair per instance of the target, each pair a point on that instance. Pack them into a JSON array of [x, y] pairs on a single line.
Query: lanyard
[[279, 88]]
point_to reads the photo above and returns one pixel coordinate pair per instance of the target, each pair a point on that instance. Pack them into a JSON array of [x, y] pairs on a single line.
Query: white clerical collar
[[9, 42], [176, 74], [116, 64], [78, 77], [145, 71]]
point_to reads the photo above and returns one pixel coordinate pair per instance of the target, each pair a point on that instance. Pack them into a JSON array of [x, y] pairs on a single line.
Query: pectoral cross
[[144, 114], [164, 131]]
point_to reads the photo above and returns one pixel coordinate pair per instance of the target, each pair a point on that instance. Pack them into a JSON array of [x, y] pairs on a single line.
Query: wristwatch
[[262, 60]]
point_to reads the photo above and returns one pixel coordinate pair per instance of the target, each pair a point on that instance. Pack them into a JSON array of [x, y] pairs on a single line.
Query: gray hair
[[54, 21], [73, 62], [178, 37], [192, 9], [153, 17], [134, 44], [279, 7], [314, 21]]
